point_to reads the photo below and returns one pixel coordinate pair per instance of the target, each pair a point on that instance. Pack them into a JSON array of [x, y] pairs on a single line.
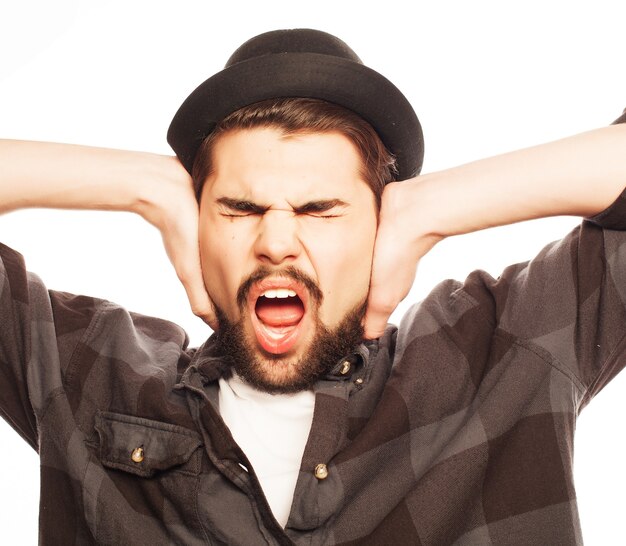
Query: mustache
[[289, 272]]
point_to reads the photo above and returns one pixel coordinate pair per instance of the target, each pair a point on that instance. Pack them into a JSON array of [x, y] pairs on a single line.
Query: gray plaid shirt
[[455, 428]]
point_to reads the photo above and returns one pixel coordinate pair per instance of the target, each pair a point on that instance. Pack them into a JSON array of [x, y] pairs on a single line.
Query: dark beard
[[327, 347]]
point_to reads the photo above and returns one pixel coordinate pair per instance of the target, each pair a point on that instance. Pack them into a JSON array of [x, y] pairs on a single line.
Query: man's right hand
[[66, 176], [172, 208]]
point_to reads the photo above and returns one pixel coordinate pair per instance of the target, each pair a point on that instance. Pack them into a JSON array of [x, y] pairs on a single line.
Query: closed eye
[[322, 215], [236, 208], [236, 215], [332, 208]]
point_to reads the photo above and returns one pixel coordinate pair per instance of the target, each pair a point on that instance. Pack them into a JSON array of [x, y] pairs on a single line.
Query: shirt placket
[[226, 455], [318, 491]]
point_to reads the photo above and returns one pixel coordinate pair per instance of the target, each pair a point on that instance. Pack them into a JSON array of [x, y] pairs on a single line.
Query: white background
[[485, 77]]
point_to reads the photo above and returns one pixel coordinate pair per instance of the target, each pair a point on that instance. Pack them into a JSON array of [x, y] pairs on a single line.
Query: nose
[[277, 239]]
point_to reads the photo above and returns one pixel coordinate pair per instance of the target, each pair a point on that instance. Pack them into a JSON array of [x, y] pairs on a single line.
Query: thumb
[[393, 273], [182, 247], [199, 300]]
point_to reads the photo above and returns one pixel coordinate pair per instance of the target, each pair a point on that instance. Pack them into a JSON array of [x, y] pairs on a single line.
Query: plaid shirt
[[455, 428]]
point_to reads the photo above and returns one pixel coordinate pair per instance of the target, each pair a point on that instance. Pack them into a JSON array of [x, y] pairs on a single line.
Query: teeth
[[279, 293]]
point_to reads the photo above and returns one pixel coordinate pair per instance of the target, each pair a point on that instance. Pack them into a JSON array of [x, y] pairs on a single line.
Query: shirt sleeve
[[569, 302], [49, 341], [39, 331], [614, 217]]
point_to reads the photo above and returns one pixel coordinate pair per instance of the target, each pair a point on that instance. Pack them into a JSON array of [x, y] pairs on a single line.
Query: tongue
[[278, 312]]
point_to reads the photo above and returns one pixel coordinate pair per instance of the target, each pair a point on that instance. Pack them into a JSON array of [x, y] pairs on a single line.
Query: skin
[[579, 175], [276, 201]]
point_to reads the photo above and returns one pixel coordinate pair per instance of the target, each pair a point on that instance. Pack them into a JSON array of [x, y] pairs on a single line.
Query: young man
[[285, 427]]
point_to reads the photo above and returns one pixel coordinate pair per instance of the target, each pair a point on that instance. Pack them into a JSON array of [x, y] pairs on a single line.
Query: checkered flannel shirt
[[455, 428]]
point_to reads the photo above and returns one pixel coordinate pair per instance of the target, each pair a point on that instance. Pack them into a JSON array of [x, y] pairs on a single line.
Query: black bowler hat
[[300, 63]]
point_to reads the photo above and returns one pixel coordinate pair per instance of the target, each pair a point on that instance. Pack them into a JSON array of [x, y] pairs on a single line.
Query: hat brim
[[308, 75]]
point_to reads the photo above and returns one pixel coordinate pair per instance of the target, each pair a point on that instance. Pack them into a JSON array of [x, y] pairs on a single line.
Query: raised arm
[[48, 175], [581, 175]]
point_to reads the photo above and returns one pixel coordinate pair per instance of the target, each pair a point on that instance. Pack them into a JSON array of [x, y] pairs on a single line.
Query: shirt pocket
[[142, 485], [144, 447]]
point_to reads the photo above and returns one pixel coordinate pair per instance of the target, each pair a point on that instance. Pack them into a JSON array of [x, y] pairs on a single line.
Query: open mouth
[[279, 310]]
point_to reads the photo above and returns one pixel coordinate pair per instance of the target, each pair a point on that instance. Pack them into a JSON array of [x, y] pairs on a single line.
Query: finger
[[189, 271], [392, 277], [380, 305], [382, 302], [181, 245], [375, 321], [199, 300]]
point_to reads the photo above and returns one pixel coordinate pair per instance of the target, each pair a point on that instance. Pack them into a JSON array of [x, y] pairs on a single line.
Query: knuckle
[[383, 307], [184, 273], [200, 310]]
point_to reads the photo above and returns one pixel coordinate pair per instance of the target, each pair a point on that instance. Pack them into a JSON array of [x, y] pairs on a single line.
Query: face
[[287, 230]]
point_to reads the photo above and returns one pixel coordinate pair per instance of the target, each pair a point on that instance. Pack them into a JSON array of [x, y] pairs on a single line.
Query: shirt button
[[345, 367], [137, 455], [359, 381], [321, 471]]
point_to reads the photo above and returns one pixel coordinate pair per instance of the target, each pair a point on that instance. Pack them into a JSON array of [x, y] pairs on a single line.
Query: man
[[456, 428]]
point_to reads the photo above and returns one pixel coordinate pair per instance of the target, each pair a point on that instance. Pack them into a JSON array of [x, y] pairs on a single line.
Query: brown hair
[[303, 115]]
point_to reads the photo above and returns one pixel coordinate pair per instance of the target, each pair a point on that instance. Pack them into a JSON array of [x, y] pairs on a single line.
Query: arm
[[41, 174], [580, 175]]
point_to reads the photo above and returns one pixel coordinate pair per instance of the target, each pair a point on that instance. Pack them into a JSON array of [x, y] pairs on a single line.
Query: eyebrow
[[323, 205], [243, 205]]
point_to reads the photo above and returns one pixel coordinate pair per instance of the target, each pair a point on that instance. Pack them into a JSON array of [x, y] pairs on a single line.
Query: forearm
[[580, 175], [43, 174]]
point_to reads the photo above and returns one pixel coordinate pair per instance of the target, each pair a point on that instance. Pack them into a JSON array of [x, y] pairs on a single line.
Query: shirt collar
[[207, 366]]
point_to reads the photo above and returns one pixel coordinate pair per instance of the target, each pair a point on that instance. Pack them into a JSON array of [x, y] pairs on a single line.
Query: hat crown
[[300, 40], [299, 63]]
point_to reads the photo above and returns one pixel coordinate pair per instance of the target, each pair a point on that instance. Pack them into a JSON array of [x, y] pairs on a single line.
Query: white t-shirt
[[272, 430]]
